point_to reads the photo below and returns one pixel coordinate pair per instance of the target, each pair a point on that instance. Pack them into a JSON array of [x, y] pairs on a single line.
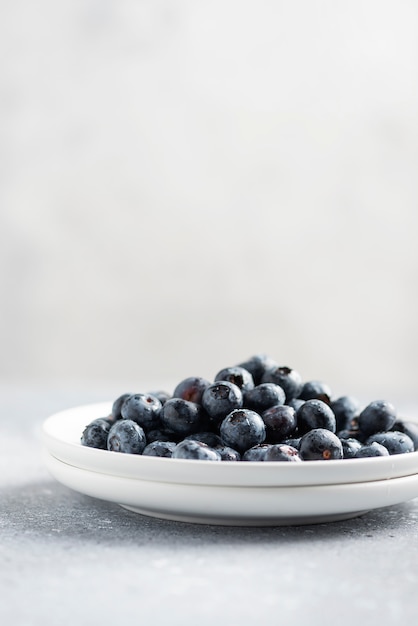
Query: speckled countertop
[[66, 558]]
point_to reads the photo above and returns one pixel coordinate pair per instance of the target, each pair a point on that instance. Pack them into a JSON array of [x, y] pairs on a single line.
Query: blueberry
[[162, 434], [126, 436], [345, 409], [350, 447], [256, 453], [315, 414], [221, 398], [352, 433], [409, 428], [288, 379], [263, 397], [237, 375], [378, 416], [315, 390], [117, 406], [142, 408], [210, 439], [280, 422], [282, 452], [159, 448], [320, 444], [242, 429], [293, 441], [227, 453], [295, 403], [162, 396], [371, 449], [394, 441], [181, 416], [191, 389], [95, 434], [258, 365], [189, 449]]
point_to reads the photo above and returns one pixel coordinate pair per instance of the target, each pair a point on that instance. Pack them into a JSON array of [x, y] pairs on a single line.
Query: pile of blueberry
[[255, 411]]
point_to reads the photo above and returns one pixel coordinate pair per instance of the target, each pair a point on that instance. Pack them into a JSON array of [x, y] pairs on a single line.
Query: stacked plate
[[228, 493]]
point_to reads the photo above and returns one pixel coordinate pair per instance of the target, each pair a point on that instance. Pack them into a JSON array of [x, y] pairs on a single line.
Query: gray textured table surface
[[66, 558]]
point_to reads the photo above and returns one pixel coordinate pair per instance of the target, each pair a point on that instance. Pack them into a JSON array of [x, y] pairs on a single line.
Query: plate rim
[[276, 504]]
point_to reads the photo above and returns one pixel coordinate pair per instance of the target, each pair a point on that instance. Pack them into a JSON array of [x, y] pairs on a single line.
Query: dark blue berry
[[353, 433], [190, 449], [320, 444], [95, 434], [142, 408], [258, 365], [242, 429], [378, 416], [288, 379], [159, 448], [263, 397], [162, 434], [227, 453], [210, 439], [126, 436], [350, 447], [237, 375], [280, 422], [162, 396], [409, 428], [394, 441], [221, 398], [295, 403], [292, 441], [282, 452], [256, 453], [315, 390], [371, 449], [117, 406], [345, 409], [191, 389], [181, 416], [315, 414]]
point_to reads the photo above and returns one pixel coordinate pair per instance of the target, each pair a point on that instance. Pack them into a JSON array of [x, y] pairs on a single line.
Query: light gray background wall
[[186, 183]]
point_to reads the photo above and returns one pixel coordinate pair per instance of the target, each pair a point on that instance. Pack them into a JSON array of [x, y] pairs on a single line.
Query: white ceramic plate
[[236, 505], [61, 438]]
